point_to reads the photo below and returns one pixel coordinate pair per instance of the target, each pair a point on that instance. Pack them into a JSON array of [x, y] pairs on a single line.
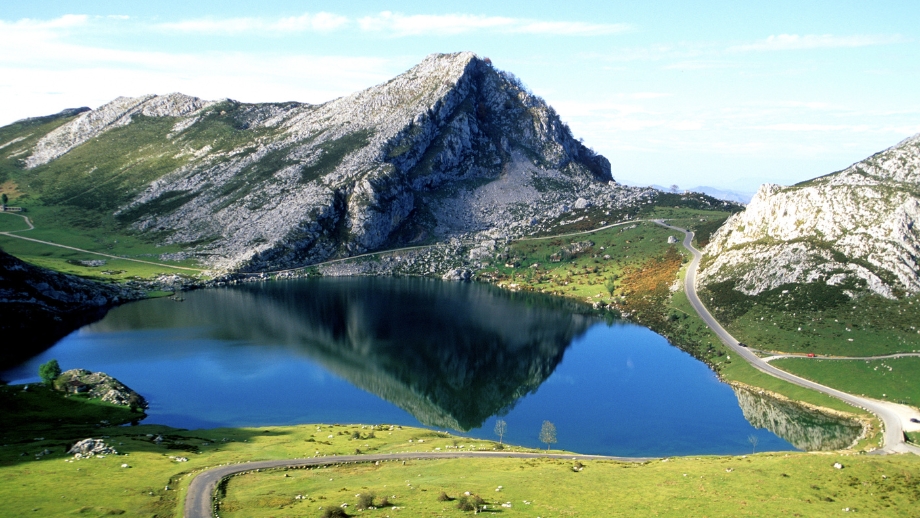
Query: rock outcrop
[[99, 385], [450, 148], [89, 448], [857, 228], [41, 306]]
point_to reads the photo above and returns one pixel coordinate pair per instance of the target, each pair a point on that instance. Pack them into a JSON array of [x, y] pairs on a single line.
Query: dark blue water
[[412, 352]]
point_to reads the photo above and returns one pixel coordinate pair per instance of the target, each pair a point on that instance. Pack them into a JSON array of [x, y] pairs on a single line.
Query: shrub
[[49, 371], [365, 500], [470, 503], [334, 512]]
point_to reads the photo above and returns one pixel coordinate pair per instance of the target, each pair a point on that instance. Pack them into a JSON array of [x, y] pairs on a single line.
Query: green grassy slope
[[890, 379], [72, 200], [817, 318]]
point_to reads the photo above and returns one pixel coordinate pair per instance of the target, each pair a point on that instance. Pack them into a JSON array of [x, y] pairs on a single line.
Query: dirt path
[[422, 247]]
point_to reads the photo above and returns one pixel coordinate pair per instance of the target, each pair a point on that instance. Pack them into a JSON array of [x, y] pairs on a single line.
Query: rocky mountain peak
[[856, 228], [449, 148]]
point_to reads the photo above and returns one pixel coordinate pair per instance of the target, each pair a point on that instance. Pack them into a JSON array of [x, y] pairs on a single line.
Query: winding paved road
[[198, 502], [893, 416]]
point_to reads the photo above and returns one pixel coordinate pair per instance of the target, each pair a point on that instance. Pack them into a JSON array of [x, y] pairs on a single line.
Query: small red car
[[811, 355]]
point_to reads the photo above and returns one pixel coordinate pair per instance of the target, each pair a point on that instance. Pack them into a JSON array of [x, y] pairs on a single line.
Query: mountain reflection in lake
[[410, 351], [806, 428]]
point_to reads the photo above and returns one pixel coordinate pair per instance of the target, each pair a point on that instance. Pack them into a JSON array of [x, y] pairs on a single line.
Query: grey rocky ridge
[[452, 148], [857, 229]]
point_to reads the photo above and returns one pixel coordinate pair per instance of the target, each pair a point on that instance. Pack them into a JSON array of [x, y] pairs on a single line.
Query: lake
[[449, 356]]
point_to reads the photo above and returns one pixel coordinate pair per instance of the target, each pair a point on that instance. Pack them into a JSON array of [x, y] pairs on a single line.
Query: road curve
[[198, 502], [888, 413]]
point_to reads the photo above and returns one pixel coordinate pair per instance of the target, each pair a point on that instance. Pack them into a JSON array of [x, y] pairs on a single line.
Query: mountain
[[724, 194], [447, 149], [855, 229]]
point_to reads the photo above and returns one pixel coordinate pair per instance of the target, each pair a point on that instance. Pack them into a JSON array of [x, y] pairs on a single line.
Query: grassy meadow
[[757, 485], [147, 478], [892, 379], [817, 318]]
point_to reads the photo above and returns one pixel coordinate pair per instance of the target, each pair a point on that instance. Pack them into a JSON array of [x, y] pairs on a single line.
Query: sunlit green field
[[759, 485], [893, 380]]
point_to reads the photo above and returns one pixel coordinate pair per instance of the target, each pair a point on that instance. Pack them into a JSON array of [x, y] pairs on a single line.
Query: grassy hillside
[[889, 380], [72, 200], [817, 318]]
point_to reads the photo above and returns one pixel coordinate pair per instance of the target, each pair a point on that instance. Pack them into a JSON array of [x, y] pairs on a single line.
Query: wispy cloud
[[29, 24], [319, 22], [793, 126], [816, 41], [451, 24]]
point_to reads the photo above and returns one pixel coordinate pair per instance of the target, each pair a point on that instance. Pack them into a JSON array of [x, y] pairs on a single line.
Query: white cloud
[[570, 28], [319, 22], [429, 24], [816, 41], [792, 126], [51, 72], [648, 95], [697, 65]]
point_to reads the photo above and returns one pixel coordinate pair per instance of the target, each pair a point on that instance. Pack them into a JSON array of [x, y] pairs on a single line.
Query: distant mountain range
[[719, 194]]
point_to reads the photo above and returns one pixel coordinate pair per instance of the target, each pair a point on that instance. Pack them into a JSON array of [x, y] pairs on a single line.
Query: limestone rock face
[[112, 115], [447, 149], [856, 228]]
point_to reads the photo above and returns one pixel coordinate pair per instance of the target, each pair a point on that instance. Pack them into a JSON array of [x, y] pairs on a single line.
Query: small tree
[[500, 428], [3, 199], [548, 434], [753, 440], [49, 371], [611, 284]]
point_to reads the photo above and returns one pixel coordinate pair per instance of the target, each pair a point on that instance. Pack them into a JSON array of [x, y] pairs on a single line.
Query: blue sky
[[722, 93]]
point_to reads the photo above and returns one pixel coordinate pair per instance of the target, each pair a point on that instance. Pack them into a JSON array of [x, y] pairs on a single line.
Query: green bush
[[365, 500], [49, 371]]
